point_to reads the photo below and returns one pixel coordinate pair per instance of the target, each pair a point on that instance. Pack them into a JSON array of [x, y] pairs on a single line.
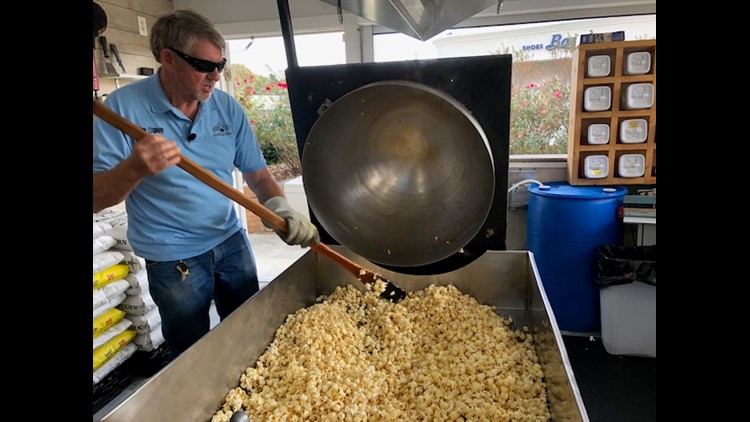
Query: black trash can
[[625, 264]]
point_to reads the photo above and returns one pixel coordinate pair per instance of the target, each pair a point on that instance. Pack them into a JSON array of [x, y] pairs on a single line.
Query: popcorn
[[436, 355]]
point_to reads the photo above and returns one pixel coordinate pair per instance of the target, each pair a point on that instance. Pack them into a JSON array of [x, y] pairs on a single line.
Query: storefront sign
[[558, 41]]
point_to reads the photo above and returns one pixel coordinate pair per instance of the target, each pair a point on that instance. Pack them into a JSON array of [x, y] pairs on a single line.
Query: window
[[540, 92], [257, 80], [266, 55]]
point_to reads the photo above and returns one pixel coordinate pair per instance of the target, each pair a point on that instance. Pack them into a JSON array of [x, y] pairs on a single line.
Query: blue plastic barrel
[[565, 226]]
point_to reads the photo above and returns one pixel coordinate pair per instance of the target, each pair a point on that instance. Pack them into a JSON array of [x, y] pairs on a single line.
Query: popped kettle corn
[[437, 355]]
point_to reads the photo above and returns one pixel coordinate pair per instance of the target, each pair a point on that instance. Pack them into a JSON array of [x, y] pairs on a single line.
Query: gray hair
[[181, 29]]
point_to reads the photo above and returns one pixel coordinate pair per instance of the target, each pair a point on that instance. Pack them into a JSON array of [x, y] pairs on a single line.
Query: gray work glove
[[301, 230]]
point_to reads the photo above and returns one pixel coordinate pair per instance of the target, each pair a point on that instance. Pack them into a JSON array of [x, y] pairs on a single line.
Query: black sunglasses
[[200, 65]]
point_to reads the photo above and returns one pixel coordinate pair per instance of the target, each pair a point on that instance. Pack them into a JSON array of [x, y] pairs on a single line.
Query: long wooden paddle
[[392, 292]]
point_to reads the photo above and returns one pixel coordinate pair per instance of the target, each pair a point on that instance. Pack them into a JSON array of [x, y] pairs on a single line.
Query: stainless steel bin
[[193, 386]]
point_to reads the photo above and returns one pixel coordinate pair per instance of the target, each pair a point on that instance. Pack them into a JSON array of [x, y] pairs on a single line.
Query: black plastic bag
[[625, 264]]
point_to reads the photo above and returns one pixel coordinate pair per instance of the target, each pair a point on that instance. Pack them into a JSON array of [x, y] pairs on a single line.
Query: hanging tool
[[392, 292], [107, 58], [116, 52], [100, 24], [100, 20], [96, 81]]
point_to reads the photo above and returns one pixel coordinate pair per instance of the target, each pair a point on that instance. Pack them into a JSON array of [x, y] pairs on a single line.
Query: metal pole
[[285, 18]]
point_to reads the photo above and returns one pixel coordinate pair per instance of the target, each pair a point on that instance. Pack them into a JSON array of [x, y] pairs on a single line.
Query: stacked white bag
[[112, 335], [138, 305]]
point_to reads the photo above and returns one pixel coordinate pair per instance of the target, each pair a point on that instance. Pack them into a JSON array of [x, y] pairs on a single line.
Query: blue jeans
[[183, 289]]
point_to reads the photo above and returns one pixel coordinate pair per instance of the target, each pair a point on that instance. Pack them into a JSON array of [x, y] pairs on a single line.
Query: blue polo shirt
[[173, 215]]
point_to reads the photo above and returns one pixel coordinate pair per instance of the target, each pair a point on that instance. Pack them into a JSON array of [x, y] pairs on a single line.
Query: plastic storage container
[[597, 98], [598, 133], [598, 66], [628, 319], [637, 96], [637, 63], [631, 165], [633, 131], [596, 167], [626, 276], [566, 225]]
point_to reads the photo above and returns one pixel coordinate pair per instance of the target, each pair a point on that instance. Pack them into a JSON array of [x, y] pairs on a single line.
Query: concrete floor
[[272, 257]]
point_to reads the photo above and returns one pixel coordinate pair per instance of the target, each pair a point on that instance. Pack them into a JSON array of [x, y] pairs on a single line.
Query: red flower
[[283, 85], [530, 86], [268, 88], [558, 94], [252, 122]]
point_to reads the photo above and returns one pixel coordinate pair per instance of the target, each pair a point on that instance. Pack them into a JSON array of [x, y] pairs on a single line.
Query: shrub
[[540, 101], [540, 107], [266, 103], [539, 118]]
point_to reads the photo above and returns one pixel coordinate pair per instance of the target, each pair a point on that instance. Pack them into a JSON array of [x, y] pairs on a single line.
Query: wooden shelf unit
[[580, 119]]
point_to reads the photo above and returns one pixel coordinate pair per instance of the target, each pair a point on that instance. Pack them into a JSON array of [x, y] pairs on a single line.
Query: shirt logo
[[221, 129]]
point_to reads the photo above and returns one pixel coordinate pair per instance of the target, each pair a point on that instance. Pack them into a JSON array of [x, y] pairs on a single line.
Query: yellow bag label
[[106, 320], [107, 350], [113, 273]]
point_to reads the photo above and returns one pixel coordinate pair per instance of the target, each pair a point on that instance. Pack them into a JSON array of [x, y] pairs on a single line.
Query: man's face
[[200, 84]]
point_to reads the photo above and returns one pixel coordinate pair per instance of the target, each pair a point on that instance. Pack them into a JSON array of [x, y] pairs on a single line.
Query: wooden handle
[[336, 257], [135, 132]]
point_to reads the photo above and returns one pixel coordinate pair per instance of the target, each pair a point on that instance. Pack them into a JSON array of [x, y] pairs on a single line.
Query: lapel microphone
[[191, 137]]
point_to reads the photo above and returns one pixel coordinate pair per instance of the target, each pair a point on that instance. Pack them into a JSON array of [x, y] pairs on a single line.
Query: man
[[188, 233]]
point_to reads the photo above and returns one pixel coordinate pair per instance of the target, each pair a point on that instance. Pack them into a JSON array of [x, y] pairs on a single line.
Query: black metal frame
[[481, 84]]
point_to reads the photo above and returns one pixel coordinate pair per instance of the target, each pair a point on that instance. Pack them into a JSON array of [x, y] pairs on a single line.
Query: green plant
[[266, 103]]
